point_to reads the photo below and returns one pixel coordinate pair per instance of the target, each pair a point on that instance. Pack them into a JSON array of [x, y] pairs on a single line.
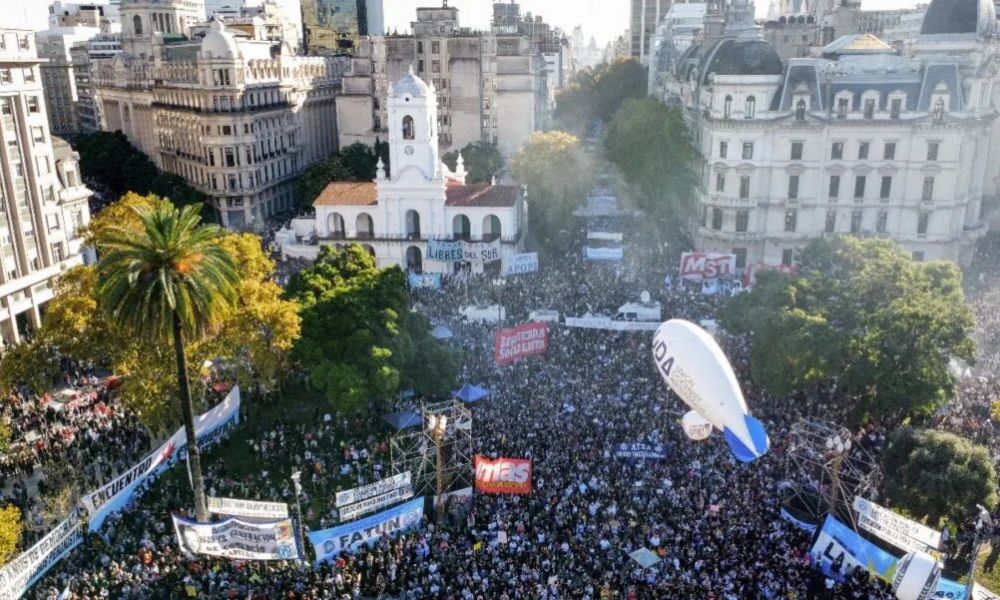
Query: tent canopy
[[402, 420], [471, 393], [644, 557], [441, 333]]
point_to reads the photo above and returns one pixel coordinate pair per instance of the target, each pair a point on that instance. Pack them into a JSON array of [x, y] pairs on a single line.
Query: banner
[[895, 529], [527, 339], [603, 253], [430, 281], [797, 522], [24, 570], [700, 266], [520, 263], [253, 509], [604, 236], [444, 251], [503, 475], [118, 493], [981, 593], [641, 451], [329, 543], [481, 252], [358, 509], [382, 486], [611, 325], [238, 539]]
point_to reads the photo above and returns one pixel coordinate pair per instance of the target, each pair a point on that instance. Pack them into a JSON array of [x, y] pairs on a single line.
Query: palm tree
[[166, 278]]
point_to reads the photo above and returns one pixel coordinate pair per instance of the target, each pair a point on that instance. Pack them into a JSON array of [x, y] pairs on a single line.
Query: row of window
[[7, 75], [792, 221], [836, 150], [833, 190]]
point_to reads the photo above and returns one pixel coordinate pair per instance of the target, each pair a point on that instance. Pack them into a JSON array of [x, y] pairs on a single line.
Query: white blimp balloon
[[696, 427], [917, 577], [693, 365]]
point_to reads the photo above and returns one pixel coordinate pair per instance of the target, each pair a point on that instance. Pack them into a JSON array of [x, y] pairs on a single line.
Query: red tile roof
[[348, 193], [482, 195]]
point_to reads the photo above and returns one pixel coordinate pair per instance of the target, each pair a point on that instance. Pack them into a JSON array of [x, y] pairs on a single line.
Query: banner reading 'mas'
[[329, 543], [27, 568], [503, 475], [524, 340], [239, 539]]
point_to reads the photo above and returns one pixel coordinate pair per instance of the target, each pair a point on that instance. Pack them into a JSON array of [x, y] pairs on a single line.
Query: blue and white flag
[[329, 543]]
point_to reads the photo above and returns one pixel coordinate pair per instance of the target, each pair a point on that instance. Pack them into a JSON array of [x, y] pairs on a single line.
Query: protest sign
[[701, 266], [28, 567], [641, 451], [520, 263], [895, 529], [238, 539], [503, 475], [527, 339], [329, 543], [254, 509]]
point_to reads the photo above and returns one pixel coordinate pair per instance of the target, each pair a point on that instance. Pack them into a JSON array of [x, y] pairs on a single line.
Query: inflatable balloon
[[692, 364], [696, 427], [917, 576]]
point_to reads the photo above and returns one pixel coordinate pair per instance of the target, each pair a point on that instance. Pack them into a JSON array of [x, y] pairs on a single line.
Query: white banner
[[603, 253], [520, 263], [895, 529], [383, 486], [610, 324], [238, 539], [353, 511], [254, 509], [604, 236], [481, 252], [21, 572], [981, 593]]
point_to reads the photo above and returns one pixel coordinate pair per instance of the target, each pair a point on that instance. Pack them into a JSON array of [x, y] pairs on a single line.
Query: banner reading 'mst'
[[705, 266], [524, 340], [503, 475]]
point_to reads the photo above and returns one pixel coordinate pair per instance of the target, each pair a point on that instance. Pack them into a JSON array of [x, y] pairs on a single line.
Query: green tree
[[597, 94], [482, 161], [360, 341], [934, 474], [10, 532], [357, 162], [171, 279], [558, 174], [860, 314]]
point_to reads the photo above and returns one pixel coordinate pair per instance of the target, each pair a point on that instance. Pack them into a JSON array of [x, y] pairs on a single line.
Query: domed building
[[859, 141]]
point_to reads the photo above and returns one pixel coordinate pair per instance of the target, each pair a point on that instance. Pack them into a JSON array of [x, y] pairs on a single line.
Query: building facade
[[43, 200], [396, 217], [644, 18], [862, 141], [337, 26]]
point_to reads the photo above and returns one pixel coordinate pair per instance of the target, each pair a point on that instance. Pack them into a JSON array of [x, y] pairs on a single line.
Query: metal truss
[[414, 449]]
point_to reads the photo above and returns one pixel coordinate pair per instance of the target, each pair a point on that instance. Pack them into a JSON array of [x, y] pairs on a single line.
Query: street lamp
[[436, 428], [838, 447], [297, 483], [983, 521]]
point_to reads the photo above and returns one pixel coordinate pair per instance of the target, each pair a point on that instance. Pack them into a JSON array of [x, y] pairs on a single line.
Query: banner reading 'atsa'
[[702, 266], [503, 475], [524, 340]]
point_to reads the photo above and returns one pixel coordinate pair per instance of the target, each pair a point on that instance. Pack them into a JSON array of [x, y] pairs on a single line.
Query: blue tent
[[471, 393], [402, 420], [441, 333]]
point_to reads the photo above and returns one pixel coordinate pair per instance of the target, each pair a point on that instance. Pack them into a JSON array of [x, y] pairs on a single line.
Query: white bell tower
[[413, 127]]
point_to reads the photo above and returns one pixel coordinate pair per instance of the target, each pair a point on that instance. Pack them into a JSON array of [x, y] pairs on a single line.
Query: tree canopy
[[863, 315], [357, 162], [10, 532], [360, 341], [596, 94], [934, 474], [482, 161]]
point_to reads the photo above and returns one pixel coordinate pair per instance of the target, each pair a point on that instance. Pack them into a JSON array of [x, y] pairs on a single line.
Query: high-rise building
[[337, 26], [645, 16], [43, 202]]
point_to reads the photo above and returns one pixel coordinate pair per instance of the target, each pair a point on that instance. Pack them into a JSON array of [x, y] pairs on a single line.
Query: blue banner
[[329, 543], [797, 522], [603, 253], [425, 281], [444, 251], [837, 541], [641, 451]]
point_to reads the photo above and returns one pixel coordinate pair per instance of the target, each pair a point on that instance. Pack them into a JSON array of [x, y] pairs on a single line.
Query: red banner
[[514, 344], [503, 475], [703, 266]]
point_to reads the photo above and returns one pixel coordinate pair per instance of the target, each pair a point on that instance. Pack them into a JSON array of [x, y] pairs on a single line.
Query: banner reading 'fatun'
[[524, 340], [503, 475]]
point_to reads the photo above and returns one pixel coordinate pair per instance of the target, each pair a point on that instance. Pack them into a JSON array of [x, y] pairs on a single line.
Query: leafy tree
[[360, 342], [357, 162], [482, 161], [596, 94], [5, 435], [10, 532], [558, 174], [934, 474], [650, 145], [32, 364], [169, 280], [863, 315]]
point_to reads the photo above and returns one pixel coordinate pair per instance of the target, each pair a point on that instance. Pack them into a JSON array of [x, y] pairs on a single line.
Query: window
[[883, 219], [33, 106], [922, 223], [842, 108], [741, 258], [420, 47], [742, 220], [435, 66], [747, 150], [928, 193], [420, 66], [885, 190], [796, 150], [435, 47], [786, 257], [791, 219], [744, 186], [834, 191], [24, 42], [716, 218], [720, 182], [408, 133], [939, 110], [837, 151], [831, 221], [856, 221], [918, 256], [5, 76], [727, 107], [870, 108], [57, 252], [793, 187], [137, 25], [863, 150], [750, 107], [230, 158], [889, 153], [859, 187], [895, 107], [723, 149], [38, 135], [800, 110], [932, 150]]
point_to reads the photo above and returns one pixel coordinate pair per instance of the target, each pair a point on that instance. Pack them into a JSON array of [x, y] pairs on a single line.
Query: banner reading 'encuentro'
[[524, 340]]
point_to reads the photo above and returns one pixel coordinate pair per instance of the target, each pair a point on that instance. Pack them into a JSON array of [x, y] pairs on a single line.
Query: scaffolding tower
[[414, 450]]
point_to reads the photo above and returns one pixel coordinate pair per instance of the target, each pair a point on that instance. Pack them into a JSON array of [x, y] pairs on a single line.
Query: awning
[[471, 393]]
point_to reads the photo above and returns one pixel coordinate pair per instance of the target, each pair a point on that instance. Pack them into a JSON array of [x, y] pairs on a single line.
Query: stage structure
[[427, 450]]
